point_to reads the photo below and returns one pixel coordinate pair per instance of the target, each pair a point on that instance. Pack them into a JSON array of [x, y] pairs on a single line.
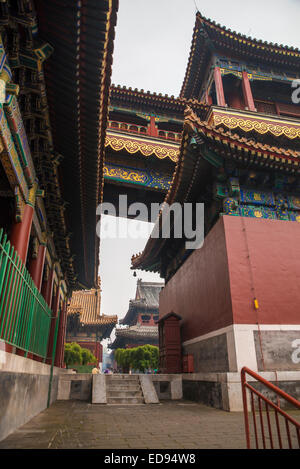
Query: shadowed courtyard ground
[[170, 425]]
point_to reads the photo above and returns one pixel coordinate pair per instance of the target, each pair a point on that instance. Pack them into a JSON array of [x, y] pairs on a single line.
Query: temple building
[[55, 69], [141, 318], [142, 144], [85, 325], [234, 301]]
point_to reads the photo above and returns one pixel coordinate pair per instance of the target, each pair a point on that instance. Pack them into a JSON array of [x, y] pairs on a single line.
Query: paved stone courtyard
[[170, 425]]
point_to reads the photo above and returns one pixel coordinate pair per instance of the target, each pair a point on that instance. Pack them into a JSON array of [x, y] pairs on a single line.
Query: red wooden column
[[53, 323], [208, 98], [47, 287], [219, 87], [36, 266], [20, 233], [59, 355], [152, 129], [247, 92]]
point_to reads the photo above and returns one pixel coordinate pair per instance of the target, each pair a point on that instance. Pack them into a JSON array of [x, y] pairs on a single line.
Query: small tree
[[122, 357], [138, 358], [75, 355], [87, 357]]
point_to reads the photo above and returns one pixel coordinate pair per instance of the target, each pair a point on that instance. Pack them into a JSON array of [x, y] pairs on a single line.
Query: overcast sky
[[152, 45]]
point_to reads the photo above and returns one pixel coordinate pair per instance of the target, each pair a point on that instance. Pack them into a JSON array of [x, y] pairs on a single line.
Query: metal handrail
[[269, 405]]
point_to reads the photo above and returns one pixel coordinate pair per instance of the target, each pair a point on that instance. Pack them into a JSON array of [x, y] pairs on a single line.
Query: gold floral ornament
[[248, 125], [147, 149]]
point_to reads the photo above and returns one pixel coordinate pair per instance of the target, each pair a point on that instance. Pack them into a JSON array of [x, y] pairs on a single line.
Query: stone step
[[121, 382], [126, 394], [123, 377], [125, 400], [122, 388]]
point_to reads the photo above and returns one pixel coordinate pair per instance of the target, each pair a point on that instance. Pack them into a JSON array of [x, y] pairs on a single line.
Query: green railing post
[[53, 357]]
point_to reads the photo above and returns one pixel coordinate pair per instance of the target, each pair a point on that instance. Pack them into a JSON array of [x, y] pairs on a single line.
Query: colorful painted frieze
[[148, 178], [12, 154], [14, 118], [258, 212], [294, 202], [257, 197]]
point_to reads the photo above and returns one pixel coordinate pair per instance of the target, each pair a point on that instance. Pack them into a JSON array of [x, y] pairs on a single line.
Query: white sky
[[152, 45]]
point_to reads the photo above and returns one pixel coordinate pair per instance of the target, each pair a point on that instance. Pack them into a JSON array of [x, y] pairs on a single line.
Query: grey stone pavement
[[169, 425]]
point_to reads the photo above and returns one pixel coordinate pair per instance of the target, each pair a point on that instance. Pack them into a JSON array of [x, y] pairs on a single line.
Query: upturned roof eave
[[204, 41]]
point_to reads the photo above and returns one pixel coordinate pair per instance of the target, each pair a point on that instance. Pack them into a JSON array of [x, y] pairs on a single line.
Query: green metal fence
[[25, 317]]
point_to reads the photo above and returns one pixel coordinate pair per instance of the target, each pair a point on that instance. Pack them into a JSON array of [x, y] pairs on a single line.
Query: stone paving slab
[[170, 425]]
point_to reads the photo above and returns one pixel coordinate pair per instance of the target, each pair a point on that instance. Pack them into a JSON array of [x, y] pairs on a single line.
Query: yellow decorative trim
[[32, 194], [146, 148], [248, 125]]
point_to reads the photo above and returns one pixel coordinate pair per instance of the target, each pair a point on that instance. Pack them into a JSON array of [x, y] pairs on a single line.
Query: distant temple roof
[[146, 300], [209, 37], [135, 335], [87, 304], [149, 291], [137, 331]]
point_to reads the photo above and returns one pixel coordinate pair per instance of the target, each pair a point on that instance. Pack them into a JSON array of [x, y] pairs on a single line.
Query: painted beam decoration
[[232, 67], [259, 204], [10, 159], [261, 124], [16, 155], [145, 146], [13, 115], [147, 178]]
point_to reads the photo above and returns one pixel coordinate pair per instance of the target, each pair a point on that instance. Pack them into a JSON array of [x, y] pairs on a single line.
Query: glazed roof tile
[[87, 303], [138, 330], [122, 93], [149, 292]]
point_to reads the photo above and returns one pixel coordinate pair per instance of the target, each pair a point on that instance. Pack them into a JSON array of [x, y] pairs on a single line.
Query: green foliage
[[87, 357], [74, 354], [83, 368], [138, 358]]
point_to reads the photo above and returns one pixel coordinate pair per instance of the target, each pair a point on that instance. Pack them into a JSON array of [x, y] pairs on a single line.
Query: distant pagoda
[[140, 318]]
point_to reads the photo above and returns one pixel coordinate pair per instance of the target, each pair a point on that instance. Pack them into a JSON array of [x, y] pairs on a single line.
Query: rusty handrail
[[268, 404]]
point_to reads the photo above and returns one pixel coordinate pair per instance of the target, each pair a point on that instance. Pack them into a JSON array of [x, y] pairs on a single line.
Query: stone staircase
[[124, 390]]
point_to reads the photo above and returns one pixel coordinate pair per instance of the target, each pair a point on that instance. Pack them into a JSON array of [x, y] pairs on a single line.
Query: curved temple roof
[[208, 37], [77, 80], [135, 97], [87, 304]]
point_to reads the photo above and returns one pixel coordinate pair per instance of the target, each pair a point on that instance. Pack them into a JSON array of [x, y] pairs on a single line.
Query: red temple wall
[[274, 250], [199, 291], [214, 287]]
